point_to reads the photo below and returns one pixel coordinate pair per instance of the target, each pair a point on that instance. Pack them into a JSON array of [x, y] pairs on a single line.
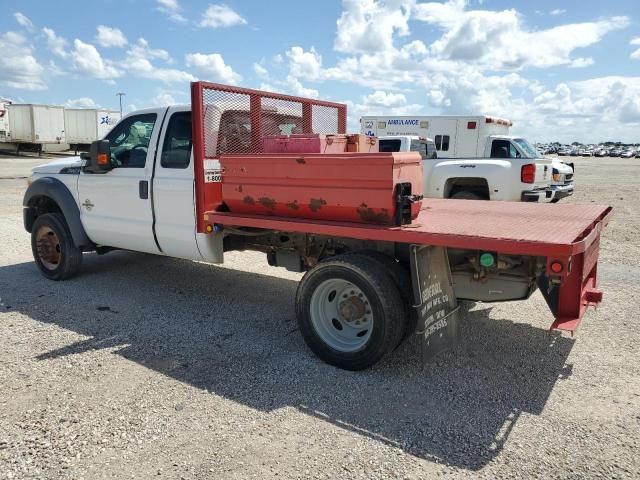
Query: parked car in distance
[[627, 154], [601, 152]]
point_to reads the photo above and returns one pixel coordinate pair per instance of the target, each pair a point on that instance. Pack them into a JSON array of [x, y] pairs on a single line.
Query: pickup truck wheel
[[467, 195], [349, 311], [53, 249]]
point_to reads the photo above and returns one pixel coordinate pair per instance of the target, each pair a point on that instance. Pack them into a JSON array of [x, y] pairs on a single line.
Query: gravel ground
[[146, 366]]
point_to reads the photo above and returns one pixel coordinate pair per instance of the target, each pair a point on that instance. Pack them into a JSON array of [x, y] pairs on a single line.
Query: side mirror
[[99, 157]]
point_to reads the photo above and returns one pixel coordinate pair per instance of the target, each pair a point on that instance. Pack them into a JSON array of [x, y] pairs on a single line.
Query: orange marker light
[[556, 267], [209, 228], [103, 159]]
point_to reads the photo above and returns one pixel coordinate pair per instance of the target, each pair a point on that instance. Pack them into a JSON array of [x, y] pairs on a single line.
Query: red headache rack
[[231, 120]]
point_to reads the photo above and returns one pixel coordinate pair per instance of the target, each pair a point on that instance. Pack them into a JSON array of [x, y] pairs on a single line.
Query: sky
[[560, 70]]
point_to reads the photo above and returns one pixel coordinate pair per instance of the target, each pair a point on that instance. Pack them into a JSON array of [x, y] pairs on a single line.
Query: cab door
[[173, 189], [115, 207]]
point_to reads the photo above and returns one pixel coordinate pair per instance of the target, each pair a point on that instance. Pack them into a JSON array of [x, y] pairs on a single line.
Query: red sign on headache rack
[[229, 120]]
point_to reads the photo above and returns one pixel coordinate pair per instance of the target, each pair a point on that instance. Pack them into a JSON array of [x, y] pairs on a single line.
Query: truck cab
[[509, 146], [151, 156]]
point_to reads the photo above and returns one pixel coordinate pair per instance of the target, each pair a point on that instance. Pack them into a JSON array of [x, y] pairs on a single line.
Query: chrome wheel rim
[[341, 315], [48, 248]]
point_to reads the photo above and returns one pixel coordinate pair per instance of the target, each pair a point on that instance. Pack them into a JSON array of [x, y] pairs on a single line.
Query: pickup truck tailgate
[[544, 172]]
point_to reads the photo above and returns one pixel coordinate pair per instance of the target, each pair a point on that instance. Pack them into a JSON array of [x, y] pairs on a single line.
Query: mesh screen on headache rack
[[234, 120]]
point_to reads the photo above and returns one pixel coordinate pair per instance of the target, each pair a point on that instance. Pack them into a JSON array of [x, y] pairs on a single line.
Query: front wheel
[[350, 312], [53, 249]]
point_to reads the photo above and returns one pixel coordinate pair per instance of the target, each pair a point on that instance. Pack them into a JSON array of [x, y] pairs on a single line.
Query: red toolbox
[[304, 143], [362, 143], [380, 188]]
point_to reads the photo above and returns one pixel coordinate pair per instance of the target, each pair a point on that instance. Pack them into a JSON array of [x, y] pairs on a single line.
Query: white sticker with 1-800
[[212, 176]]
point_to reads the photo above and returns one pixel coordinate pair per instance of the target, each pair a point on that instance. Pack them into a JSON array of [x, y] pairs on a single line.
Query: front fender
[[497, 173], [58, 192]]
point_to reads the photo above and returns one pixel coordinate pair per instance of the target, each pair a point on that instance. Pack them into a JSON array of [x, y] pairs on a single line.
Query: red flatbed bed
[[559, 230], [566, 236]]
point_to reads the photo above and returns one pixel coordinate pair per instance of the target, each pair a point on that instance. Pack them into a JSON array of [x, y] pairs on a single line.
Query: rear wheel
[[402, 279], [349, 311], [53, 249]]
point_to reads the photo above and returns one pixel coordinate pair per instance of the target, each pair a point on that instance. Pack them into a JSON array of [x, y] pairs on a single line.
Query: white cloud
[[82, 102], [367, 26], [18, 66], [110, 37], [304, 64], [138, 62], [296, 88], [221, 16], [499, 40], [446, 15], [261, 71], [557, 11], [55, 44], [87, 60], [172, 9], [23, 21], [163, 99], [380, 98], [581, 62], [212, 67], [635, 55]]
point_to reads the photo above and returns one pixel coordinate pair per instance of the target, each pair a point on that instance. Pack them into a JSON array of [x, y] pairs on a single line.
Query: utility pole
[[120, 94]]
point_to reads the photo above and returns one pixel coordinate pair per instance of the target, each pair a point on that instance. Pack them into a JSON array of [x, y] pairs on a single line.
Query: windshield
[[527, 148]]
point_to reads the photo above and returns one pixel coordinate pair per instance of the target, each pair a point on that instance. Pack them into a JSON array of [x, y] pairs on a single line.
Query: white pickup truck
[[477, 159], [155, 185]]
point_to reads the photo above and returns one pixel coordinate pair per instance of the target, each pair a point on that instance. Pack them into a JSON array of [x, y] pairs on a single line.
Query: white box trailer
[[455, 136], [83, 126], [36, 124], [5, 132]]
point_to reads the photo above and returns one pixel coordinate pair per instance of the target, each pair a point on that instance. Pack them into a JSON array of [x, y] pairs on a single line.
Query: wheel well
[[476, 185], [40, 205]]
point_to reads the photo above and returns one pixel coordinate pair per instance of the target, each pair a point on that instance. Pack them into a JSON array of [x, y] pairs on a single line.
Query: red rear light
[[471, 125], [528, 173]]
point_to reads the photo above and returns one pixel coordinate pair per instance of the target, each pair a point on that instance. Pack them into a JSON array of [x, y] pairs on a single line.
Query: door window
[[500, 149], [389, 145], [129, 141], [504, 149], [176, 149], [420, 147], [442, 142], [431, 149]]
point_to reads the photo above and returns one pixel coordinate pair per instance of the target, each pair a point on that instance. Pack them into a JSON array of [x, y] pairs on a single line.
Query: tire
[[401, 277], [356, 333], [467, 195], [53, 249]]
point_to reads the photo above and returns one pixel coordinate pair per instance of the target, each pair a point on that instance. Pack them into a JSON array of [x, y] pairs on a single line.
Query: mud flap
[[434, 300]]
